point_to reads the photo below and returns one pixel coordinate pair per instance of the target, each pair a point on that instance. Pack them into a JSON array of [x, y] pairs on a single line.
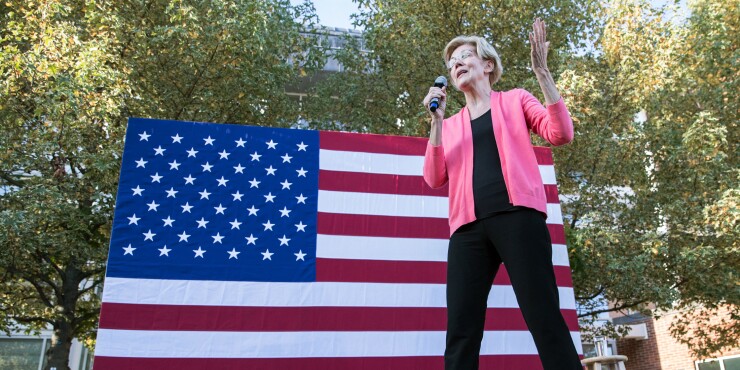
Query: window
[[22, 353], [722, 363]]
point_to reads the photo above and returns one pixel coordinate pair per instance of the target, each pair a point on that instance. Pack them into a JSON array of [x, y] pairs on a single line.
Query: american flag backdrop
[[241, 247]]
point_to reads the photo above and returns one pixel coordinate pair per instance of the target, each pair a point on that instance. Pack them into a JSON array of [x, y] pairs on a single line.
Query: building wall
[[660, 351]]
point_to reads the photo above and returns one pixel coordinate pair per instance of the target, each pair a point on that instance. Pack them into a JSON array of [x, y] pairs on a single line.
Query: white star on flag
[[129, 250], [300, 226], [233, 253], [168, 221], [299, 255], [148, 235], [183, 237], [269, 198], [164, 251], [138, 190], [144, 136], [133, 220]]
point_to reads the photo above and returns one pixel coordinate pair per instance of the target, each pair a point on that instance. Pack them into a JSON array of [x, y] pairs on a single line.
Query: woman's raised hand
[[540, 45]]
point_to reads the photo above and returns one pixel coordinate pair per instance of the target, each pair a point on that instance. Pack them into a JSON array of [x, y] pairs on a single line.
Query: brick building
[[659, 351]]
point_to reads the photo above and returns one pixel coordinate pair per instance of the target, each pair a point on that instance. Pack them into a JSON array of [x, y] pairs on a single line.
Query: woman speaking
[[497, 199]]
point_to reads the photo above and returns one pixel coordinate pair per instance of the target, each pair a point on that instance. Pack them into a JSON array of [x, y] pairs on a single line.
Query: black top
[[489, 188]]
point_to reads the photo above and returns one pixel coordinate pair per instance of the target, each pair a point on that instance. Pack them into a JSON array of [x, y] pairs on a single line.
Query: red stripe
[[551, 192], [371, 143], [388, 226], [399, 227], [277, 319], [557, 233], [543, 155], [487, 362], [359, 182], [410, 272]]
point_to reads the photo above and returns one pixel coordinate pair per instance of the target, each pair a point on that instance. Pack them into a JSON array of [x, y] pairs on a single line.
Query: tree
[[650, 183], [654, 225], [72, 72]]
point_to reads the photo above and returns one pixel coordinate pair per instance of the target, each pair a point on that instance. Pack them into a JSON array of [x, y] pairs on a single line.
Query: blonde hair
[[484, 50]]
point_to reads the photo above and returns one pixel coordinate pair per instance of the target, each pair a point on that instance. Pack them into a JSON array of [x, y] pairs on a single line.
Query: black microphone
[[441, 81]]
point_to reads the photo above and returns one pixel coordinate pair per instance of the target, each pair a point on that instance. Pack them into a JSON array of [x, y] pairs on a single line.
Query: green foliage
[[71, 72], [654, 222]]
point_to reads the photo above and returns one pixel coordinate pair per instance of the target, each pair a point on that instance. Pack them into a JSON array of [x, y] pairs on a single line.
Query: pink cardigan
[[514, 113]]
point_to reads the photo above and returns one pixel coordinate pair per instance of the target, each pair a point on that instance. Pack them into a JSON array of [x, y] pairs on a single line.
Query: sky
[[336, 13], [333, 13]]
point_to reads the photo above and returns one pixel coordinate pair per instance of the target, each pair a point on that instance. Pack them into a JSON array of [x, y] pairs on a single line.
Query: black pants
[[521, 241]]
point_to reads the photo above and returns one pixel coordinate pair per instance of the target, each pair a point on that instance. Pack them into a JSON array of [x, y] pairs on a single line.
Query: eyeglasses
[[465, 54]]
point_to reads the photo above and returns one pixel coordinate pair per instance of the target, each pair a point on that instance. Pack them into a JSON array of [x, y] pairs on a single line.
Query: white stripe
[[393, 164], [400, 205], [560, 255], [204, 344], [547, 172], [258, 294], [398, 249], [554, 214], [382, 204]]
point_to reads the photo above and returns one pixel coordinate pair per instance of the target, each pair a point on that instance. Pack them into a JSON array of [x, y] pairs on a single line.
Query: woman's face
[[467, 69]]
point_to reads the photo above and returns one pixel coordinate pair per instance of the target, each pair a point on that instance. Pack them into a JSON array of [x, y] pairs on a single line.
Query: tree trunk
[[58, 355], [61, 343]]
